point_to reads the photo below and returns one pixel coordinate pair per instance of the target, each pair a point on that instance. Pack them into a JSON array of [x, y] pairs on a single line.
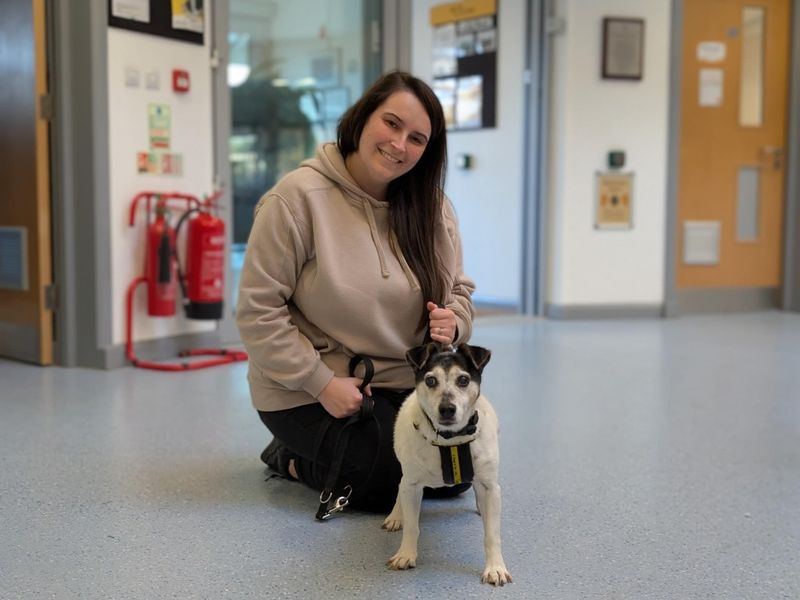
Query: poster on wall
[[159, 163], [188, 15], [134, 10], [158, 125], [613, 201], [158, 160], [465, 62], [182, 20]]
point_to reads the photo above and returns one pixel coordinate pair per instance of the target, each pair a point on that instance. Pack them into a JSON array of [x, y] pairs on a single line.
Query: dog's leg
[[410, 499], [394, 521], [489, 505]]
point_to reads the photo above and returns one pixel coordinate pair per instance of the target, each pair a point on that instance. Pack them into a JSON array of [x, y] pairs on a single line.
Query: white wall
[[591, 116], [488, 198], [191, 136]]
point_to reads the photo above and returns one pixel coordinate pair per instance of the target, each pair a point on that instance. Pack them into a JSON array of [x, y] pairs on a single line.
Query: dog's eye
[[462, 381], [430, 381]]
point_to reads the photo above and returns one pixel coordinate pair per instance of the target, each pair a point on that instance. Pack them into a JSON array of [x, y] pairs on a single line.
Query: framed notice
[[464, 67], [182, 20], [613, 201], [623, 48]]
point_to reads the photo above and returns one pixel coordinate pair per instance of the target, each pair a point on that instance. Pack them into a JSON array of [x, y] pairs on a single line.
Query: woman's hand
[[341, 397], [442, 322]]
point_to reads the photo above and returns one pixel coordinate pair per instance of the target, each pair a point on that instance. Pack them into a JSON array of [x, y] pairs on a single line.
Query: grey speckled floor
[[640, 459]]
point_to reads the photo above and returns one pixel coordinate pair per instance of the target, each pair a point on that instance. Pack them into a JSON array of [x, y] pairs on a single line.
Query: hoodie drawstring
[[373, 229], [395, 245]]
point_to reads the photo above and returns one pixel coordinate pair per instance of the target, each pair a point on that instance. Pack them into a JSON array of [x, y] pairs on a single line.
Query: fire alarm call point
[[180, 81]]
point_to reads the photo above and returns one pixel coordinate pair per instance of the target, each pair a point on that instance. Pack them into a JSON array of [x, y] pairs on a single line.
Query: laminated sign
[[158, 118], [614, 202]]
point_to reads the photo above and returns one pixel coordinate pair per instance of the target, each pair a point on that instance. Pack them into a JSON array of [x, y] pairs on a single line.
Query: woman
[[355, 252]]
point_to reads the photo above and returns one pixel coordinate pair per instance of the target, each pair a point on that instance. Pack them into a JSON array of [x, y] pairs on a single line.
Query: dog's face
[[448, 382]]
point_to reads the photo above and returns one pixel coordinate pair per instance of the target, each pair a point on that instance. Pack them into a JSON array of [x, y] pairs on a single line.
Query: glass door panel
[[293, 69]]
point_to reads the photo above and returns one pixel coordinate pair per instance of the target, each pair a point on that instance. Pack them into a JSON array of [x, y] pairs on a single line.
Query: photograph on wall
[[187, 15], [486, 41], [472, 35], [134, 10], [464, 64], [445, 90], [445, 62], [469, 102]]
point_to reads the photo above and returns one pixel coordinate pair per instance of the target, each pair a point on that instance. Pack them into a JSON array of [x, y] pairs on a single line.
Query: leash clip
[[327, 509]]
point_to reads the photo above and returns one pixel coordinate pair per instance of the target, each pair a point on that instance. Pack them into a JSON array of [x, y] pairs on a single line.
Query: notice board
[[465, 41]]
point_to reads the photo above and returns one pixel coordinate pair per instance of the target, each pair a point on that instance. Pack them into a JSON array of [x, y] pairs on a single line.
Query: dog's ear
[[477, 356], [418, 357]]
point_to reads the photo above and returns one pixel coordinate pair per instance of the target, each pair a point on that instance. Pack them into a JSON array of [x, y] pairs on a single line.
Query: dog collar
[[453, 438], [454, 451]]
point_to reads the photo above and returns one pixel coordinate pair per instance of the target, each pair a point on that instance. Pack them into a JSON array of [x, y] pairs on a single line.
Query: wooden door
[[26, 323], [735, 65]]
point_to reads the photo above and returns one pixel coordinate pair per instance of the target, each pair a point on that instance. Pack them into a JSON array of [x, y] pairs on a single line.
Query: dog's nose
[[447, 411]]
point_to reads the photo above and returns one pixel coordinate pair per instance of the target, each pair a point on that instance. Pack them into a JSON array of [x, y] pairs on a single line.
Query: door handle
[[772, 152]]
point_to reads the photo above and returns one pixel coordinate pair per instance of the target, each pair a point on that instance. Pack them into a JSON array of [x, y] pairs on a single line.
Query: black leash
[[328, 504]]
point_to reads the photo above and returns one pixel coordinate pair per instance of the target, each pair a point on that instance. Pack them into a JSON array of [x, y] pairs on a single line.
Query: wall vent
[[701, 242], [13, 258]]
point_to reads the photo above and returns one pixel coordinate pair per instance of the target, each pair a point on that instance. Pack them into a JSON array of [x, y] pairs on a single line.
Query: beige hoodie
[[324, 279]]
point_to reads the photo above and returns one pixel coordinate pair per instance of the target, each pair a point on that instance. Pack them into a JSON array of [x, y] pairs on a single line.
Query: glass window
[[293, 69], [751, 93]]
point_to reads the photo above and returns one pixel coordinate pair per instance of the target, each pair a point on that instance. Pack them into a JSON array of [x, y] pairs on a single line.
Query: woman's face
[[392, 142]]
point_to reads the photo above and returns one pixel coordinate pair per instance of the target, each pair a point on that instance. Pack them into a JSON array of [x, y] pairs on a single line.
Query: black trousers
[[370, 465]]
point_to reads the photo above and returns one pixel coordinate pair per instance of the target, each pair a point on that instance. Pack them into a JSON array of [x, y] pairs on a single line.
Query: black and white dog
[[445, 434]]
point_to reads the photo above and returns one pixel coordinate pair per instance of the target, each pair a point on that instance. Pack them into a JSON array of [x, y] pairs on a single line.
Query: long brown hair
[[415, 198]]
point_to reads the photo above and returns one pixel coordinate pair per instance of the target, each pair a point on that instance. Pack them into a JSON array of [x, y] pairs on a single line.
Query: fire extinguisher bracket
[[202, 287]]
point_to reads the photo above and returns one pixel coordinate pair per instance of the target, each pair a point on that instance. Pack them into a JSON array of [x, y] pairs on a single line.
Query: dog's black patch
[[471, 359]]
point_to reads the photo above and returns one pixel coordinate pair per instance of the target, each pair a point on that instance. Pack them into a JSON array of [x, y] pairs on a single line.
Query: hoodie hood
[[329, 162]]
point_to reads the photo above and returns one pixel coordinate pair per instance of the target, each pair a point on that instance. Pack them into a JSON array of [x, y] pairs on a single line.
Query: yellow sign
[[614, 204], [460, 11]]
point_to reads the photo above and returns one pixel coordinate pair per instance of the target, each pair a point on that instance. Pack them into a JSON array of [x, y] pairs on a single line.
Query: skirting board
[[720, 300], [19, 342], [604, 311], [483, 308]]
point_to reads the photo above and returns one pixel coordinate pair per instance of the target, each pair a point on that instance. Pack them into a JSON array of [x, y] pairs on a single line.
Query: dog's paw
[[496, 575], [401, 562], [392, 523]]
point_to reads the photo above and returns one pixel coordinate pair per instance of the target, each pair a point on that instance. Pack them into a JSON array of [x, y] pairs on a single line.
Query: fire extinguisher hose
[[181, 279], [165, 253]]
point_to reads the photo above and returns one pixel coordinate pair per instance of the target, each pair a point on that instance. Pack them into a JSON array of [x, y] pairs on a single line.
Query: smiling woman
[[392, 142], [354, 253]]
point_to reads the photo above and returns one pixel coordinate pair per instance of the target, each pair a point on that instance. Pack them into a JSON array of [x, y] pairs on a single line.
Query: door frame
[[791, 264], [221, 111], [80, 184], [26, 326], [541, 27], [721, 300]]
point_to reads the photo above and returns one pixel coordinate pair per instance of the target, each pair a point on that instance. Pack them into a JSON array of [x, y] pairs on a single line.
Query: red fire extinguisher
[[203, 288], [160, 270]]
